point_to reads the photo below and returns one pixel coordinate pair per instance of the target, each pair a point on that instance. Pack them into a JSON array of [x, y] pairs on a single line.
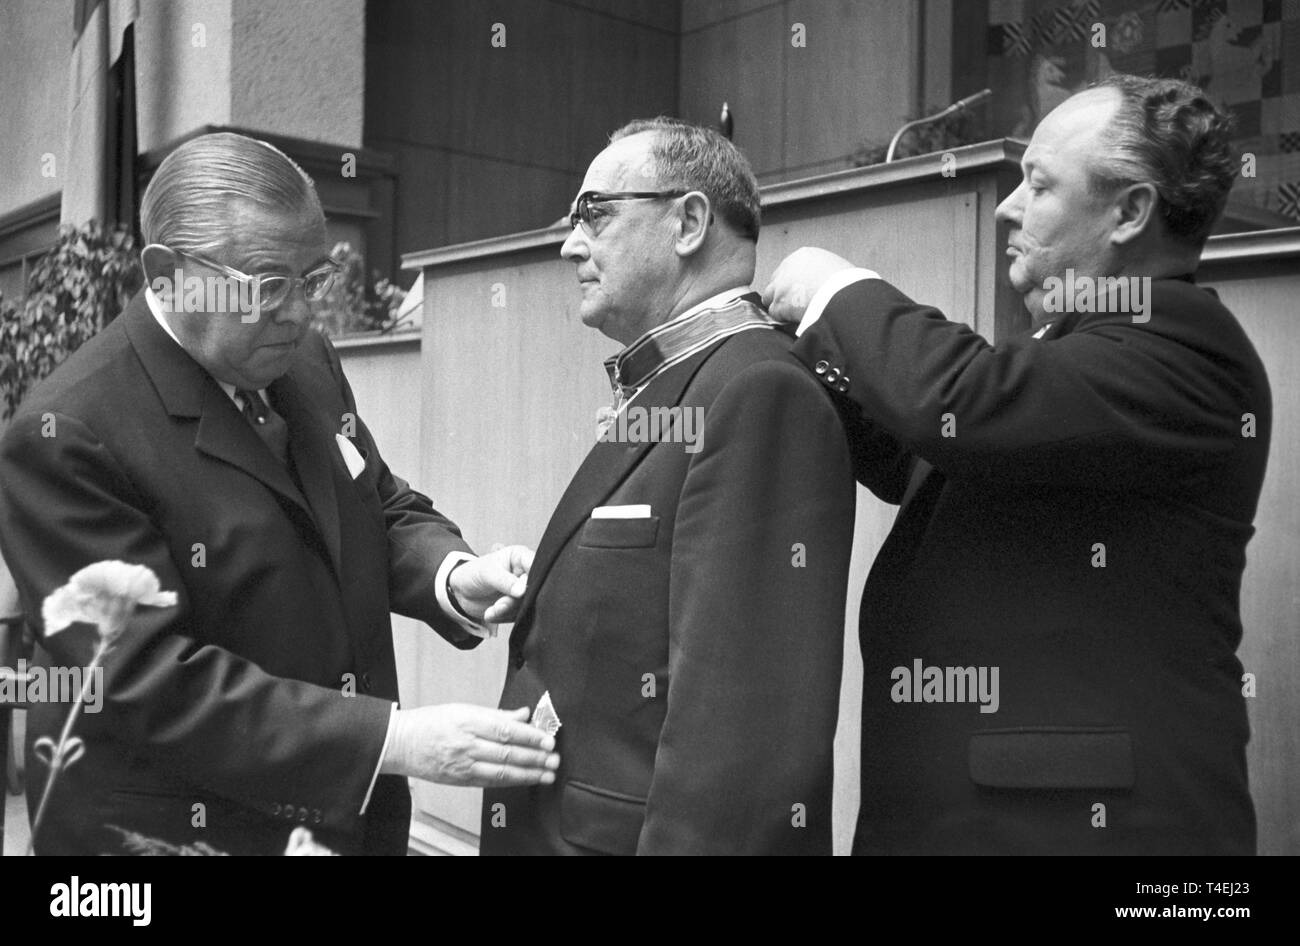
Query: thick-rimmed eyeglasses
[[269, 290], [585, 214]]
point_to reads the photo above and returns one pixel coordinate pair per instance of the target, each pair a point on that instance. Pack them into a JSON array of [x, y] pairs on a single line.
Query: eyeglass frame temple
[[575, 217]]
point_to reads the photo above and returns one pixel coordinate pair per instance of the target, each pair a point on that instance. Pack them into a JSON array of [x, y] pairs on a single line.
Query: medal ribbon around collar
[[672, 343]]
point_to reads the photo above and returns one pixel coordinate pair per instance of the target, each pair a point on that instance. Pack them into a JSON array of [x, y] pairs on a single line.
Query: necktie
[[268, 425]]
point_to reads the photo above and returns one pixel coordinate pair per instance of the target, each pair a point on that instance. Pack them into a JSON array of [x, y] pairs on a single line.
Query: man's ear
[[1135, 211], [694, 218], [159, 265]]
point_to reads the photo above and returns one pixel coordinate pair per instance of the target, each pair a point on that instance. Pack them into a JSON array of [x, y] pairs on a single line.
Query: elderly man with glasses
[[209, 434], [684, 618]]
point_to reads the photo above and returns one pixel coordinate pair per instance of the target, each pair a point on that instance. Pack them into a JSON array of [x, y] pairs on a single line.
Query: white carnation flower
[[104, 594]]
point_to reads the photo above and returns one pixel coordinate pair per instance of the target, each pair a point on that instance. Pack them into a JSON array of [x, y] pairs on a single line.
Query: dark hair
[[691, 157], [1167, 133]]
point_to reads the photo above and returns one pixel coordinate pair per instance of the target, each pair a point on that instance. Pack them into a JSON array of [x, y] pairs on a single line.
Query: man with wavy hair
[[1075, 505]]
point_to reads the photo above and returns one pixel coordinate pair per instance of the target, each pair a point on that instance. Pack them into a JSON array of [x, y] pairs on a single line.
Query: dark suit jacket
[[235, 699], [1119, 685], [694, 665]]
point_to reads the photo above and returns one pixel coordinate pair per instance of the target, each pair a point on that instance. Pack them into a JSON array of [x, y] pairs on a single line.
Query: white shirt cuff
[[844, 277], [444, 601], [392, 718]]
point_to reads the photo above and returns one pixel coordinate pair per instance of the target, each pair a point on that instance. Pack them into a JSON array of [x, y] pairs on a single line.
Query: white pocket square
[[351, 456], [640, 511]]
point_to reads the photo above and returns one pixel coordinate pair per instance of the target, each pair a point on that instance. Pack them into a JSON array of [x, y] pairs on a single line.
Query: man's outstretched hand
[[797, 280], [462, 744], [490, 587]]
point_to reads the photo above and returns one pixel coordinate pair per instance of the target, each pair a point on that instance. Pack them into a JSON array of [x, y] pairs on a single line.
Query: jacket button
[[832, 376], [302, 815], [366, 683], [843, 385], [821, 367], [317, 817], [275, 809]]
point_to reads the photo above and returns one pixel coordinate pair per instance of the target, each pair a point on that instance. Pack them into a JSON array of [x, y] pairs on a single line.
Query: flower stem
[[60, 750]]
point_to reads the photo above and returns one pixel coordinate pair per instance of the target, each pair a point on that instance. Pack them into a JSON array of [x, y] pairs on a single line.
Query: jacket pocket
[[602, 820], [1052, 758], [619, 533]]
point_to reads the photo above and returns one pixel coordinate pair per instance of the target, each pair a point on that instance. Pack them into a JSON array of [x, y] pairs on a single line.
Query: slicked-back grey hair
[[191, 202], [1167, 133], [690, 157]]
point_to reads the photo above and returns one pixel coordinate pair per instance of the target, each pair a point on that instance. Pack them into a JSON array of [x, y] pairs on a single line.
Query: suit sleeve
[[419, 537], [760, 558], [1114, 399], [218, 720], [881, 462]]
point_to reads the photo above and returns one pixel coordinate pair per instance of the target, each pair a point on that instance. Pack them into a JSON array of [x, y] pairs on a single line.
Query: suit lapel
[[607, 465], [188, 391], [225, 435], [315, 458]]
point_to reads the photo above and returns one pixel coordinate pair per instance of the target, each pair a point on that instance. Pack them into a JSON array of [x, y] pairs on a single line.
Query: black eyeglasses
[[584, 214]]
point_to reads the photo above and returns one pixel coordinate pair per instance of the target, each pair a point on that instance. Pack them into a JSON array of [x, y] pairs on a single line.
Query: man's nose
[[575, 247], [295, 308], [1009, 210]]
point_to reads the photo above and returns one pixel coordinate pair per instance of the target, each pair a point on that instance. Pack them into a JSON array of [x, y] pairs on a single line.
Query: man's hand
[[489, 587], [461, 744], [797, 280]]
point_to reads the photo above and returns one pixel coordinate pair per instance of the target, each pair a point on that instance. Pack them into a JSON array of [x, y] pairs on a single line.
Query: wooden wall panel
[[481, 191], [801, 111], [661, 14], [699, 14], [421, 194], [499, 130], [617, 72], [510, 397], [739, 61], [855, 80], [1263, 298]]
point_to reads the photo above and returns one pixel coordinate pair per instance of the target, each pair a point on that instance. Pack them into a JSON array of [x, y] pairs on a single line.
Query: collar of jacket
[[679, 338], [1066, 322]]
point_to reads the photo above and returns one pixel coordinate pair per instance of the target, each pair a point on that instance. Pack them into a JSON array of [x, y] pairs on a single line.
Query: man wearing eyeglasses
[[685, 611], [209, 434]]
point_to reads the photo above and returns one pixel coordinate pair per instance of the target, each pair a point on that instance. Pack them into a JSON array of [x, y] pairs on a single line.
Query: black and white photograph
[[651, 427]]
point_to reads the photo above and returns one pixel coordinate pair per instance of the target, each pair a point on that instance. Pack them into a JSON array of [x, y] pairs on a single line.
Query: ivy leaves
[[73, 291]]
